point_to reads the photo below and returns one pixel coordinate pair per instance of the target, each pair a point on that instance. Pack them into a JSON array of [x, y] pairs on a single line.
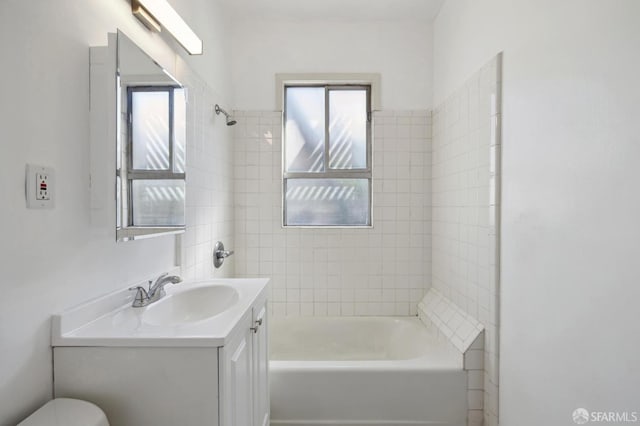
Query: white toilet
[[67, 412]]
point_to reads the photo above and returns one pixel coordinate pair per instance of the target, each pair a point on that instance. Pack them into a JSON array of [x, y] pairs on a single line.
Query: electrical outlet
[[40, 186]]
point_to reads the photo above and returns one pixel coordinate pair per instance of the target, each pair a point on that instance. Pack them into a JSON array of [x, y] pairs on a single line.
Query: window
[[327, 155], [154, 157]]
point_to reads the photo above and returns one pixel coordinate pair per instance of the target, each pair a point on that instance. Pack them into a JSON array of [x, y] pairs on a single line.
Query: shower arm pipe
[[219, 110], [230, 120]]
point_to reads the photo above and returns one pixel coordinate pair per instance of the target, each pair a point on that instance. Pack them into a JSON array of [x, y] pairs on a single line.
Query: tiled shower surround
[[435, 223], [383, 270], [466, 197], [209, 212]]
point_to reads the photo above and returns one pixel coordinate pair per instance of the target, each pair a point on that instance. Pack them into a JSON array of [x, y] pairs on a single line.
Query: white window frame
[[368, 82]]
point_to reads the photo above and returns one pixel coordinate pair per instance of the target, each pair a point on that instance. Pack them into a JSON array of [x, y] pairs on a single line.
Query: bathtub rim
[[447, 357]]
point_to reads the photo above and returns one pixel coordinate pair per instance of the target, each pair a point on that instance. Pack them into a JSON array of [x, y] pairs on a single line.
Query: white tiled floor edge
[[466, 201]]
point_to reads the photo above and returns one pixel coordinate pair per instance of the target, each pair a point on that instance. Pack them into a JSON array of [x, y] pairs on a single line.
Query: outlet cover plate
[[40, 187]]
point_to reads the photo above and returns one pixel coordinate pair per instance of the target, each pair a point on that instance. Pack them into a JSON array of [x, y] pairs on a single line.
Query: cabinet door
[[260, 366], [237, 383]]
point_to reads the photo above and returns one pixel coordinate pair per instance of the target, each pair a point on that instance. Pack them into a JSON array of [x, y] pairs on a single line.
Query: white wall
[[399, 50], [54, 259], [569, 247]]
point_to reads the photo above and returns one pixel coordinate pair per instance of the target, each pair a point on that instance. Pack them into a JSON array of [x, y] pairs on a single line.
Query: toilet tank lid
[[67, 412]]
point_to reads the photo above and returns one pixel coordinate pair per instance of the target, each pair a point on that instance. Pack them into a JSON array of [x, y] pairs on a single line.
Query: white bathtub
[[363, 371]]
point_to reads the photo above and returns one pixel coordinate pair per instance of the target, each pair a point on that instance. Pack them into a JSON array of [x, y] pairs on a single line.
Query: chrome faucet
[[155, 291]]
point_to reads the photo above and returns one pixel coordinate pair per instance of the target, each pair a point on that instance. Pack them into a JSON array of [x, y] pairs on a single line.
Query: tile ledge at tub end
[[433, 309]]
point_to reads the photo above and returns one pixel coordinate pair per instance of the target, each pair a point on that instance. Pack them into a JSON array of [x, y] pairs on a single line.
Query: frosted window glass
[[304, 129], [348, 129], [150, 130], [327, 202], [158, 202], [180, 131]]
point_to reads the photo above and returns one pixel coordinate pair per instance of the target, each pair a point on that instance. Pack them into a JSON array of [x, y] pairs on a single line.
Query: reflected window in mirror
[[153, 181], [138, 142]]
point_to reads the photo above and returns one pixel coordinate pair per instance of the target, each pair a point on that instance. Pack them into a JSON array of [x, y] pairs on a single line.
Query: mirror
[[150, 146]]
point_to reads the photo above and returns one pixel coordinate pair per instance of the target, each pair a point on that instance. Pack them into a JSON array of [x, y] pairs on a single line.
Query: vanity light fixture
[[145, 17], [157, 14]]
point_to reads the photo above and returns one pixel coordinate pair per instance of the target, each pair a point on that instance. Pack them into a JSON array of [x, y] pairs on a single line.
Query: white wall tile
[[210, 183], [466, 199], [393, 258]]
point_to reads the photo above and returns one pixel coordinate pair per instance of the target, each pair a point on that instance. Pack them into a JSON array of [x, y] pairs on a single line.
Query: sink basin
[[192, 314], [191, 305]]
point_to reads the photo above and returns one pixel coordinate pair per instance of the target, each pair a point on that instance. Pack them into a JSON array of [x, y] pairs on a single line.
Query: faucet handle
[[219, 254], [140, 297]]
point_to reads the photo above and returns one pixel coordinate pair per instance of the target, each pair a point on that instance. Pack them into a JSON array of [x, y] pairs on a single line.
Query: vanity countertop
[[111, 321]]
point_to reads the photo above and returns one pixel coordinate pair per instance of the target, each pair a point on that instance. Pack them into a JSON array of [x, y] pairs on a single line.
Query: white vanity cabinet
[[235, 378], [142, 386], [261, 400], [148, 376], [244, 387]]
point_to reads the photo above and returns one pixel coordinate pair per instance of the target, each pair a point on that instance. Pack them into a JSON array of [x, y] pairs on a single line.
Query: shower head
[[230, 120]]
